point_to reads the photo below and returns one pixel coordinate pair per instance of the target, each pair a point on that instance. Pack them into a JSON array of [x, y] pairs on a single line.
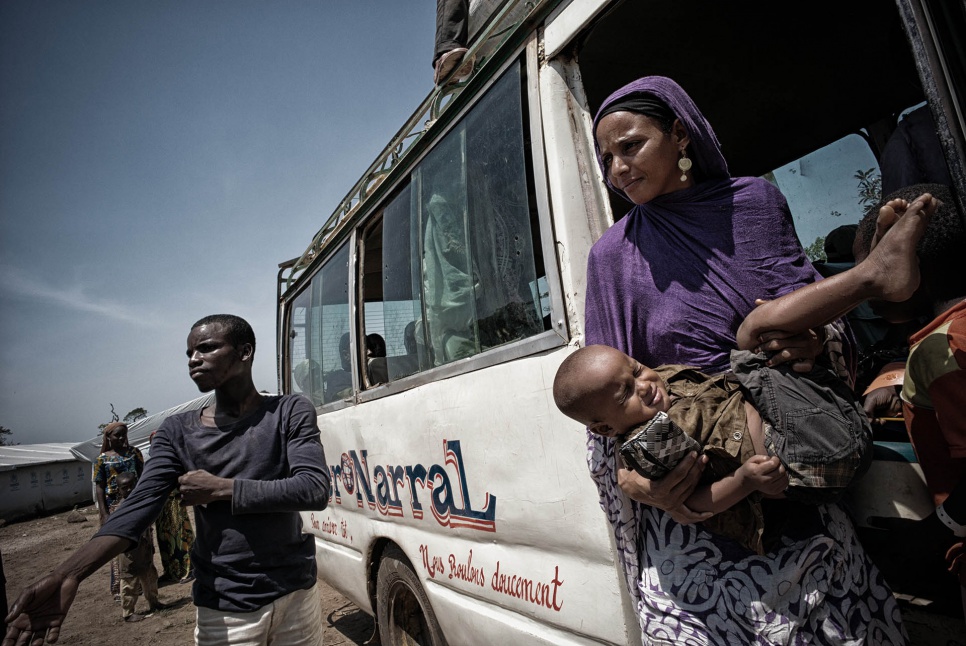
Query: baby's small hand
[[764, 474]]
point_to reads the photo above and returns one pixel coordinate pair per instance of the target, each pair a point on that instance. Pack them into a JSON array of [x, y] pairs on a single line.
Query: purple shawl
[[672, 281]]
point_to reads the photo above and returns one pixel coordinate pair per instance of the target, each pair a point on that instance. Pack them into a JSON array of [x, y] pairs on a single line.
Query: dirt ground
[[32, 548]]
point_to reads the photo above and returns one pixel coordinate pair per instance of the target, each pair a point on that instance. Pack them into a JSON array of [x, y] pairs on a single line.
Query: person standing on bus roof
[[452, 27], [669, 284], [248, 463]]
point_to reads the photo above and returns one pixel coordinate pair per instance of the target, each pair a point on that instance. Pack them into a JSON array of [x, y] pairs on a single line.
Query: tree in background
[[114, 418], [134, 415], [816, 250], [4, 439], [870, 187]]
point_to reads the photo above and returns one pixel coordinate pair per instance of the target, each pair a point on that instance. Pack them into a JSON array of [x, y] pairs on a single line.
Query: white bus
[[462, 511]]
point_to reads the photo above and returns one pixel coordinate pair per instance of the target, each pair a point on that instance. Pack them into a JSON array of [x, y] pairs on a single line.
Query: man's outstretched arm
[[39, 611]]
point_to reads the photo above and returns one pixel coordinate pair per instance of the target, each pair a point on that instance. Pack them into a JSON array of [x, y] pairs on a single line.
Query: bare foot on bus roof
[[898, 229]]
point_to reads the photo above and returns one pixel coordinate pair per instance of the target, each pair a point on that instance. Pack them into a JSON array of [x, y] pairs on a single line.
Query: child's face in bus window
[[631, 394]]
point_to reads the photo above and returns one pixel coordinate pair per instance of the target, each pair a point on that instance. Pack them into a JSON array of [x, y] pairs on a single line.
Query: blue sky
[[157, 161]]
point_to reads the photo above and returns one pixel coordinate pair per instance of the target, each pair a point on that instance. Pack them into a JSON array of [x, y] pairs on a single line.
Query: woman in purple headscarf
[[670, 283]]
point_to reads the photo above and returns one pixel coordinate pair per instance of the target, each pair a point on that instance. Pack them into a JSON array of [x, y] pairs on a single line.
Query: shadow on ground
[[354, 625]]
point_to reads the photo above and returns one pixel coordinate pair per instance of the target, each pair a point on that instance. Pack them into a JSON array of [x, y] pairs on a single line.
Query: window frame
[[555, 337], [285, 357]]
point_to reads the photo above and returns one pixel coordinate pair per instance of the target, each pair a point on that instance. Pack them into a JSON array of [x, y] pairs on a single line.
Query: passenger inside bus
[[480, 267], [308, 378], [449, 282], [376, 367], [913, 154], [406, 364], [866, 326], [934, 386], [689, 254], [888, 326], [878, 342], [338, 382]]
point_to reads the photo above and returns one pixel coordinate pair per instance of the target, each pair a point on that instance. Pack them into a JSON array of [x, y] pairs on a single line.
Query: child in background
[[175, 538], [612, 394], [934, 383], [137, 564]]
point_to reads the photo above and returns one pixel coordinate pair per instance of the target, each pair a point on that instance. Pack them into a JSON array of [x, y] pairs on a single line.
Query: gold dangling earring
[[685, 165]]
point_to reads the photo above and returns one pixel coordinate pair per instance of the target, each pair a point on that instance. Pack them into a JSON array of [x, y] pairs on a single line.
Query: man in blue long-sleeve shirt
[[248, 463]]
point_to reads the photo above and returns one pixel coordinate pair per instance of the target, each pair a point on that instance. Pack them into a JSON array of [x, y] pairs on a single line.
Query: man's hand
[[201, 487], [882, 402], [799, 349], [39, 611], [670, 492], [764, 474]]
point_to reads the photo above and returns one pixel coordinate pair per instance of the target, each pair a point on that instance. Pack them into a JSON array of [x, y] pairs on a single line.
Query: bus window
[[450, 270], [388, 302], [319, 334], [829, 188], [472, 218], [396, 310], [306, 373]]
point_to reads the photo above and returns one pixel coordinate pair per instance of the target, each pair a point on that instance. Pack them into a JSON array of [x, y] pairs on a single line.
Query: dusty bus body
[[461, 509]]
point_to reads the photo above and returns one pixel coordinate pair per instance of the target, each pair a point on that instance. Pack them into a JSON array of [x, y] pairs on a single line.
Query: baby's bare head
[[580, 380]]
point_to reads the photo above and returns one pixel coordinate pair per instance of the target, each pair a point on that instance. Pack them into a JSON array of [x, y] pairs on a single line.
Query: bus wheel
[[402, 607]]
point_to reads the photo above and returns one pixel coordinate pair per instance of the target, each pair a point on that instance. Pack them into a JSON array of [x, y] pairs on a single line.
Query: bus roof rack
[[502, 24]]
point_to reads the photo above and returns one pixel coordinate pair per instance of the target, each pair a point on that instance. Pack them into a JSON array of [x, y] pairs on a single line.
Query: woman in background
[[116, 457]]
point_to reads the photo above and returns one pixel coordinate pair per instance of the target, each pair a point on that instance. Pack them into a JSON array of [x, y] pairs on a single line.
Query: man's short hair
[[941, 248], [237, 329]]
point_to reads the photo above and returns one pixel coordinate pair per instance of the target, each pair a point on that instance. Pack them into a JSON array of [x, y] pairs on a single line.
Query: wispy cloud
[[74, 297]]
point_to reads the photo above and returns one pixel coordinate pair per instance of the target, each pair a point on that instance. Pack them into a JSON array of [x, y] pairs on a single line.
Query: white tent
[[37, 478], [139, 433]]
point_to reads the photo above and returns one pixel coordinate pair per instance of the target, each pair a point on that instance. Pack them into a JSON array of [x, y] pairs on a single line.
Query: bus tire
[[403, 611]]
